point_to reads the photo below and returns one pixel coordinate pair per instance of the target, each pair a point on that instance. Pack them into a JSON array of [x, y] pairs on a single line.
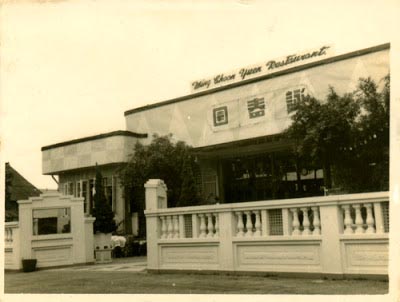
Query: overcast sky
[[71, 68]]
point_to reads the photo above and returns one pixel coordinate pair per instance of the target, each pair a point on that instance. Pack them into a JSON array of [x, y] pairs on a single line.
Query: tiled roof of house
[[20, 188]]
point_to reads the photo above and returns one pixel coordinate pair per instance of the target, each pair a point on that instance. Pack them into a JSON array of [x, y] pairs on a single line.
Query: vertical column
[[286, 222], [216, 225], [163, 227], [379, 224], [240, 225], [316, 221], [170, 227], [348, 221], [25, 226], [306, 221], [181, 226], [249, 224], [202, 226], [78, 230], [359, 221], [370, 219], [264, 223], [210, 226], [154, 188], [295, 222], [175, 226], [257, 223], [331, 220], [195, 226], [227, 229]]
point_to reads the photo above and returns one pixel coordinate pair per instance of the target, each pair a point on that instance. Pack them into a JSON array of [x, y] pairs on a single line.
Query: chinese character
[[220, 116], [293, 98], [256, 107]]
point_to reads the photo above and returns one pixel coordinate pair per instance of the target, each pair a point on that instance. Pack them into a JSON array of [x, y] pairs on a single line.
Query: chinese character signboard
[[256, 107], [220, 116]]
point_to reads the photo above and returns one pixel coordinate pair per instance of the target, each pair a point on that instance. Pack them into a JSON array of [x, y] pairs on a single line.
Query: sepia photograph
[[169, 150]]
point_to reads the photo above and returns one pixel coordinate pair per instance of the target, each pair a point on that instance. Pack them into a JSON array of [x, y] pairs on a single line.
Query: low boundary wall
[[342, 235]]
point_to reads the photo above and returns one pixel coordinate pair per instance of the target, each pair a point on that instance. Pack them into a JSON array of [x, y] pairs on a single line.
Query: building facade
[[234, 122]]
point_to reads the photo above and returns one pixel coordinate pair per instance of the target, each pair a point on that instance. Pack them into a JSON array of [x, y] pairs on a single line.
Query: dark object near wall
[[29, 265]]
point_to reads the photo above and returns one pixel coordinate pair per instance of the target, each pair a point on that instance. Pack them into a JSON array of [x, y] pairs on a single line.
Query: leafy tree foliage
[[347, 135], [162, 159], [104, 222]]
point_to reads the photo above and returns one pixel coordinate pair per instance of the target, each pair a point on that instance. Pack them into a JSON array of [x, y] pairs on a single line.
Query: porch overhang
[[247, 147]]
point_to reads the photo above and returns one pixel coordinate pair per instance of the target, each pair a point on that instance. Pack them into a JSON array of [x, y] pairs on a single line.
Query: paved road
[[135, 264]]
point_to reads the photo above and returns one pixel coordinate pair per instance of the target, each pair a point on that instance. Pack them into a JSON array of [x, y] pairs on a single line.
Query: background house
[[17, 188]]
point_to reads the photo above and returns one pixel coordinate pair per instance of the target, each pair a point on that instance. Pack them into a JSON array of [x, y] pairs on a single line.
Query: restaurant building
[[234, 121]]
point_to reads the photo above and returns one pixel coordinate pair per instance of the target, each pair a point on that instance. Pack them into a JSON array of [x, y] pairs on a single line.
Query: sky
[[70, 69]]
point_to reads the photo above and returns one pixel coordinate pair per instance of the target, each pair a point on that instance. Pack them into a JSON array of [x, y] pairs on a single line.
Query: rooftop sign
[[265, 68]]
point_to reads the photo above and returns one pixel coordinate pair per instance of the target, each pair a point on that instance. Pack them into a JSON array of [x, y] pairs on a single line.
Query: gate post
[[331, 227], [156, 198]]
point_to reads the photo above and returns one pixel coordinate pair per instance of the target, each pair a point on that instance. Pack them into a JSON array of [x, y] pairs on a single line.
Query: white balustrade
[[357, 224], [210, 226], [170, 227], [370, 219], [240, 225], [316, 221], [175, 226], [306, 222], [295, 222], [348, 221], [249, 224], [257, 223], [359, 221], [216, 226], [203, 227], [163, 227]]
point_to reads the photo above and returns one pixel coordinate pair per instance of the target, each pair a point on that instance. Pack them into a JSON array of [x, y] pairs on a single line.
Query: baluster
[[240, 225], [202, 225], [348, 221], [176, 226], [249, 224], [210, 227], [216, 226], [163, 227], [257, 223], [306, 222], [295, 222], [370, 219], [359, 221], [5, 235], [170, 227], [316, 221]]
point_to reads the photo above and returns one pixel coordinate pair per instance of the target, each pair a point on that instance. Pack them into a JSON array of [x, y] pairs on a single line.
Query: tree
[[162, 159], [346, 135], [104, 222]]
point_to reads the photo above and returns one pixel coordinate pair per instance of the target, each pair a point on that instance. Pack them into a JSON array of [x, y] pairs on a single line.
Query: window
[[51, 221], [293, 97], [78, 189], [71, 188], [85, 197], [107, 183]]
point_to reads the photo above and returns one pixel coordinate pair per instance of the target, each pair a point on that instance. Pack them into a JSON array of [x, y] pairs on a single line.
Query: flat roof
[[264, 77], [94, 137]]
